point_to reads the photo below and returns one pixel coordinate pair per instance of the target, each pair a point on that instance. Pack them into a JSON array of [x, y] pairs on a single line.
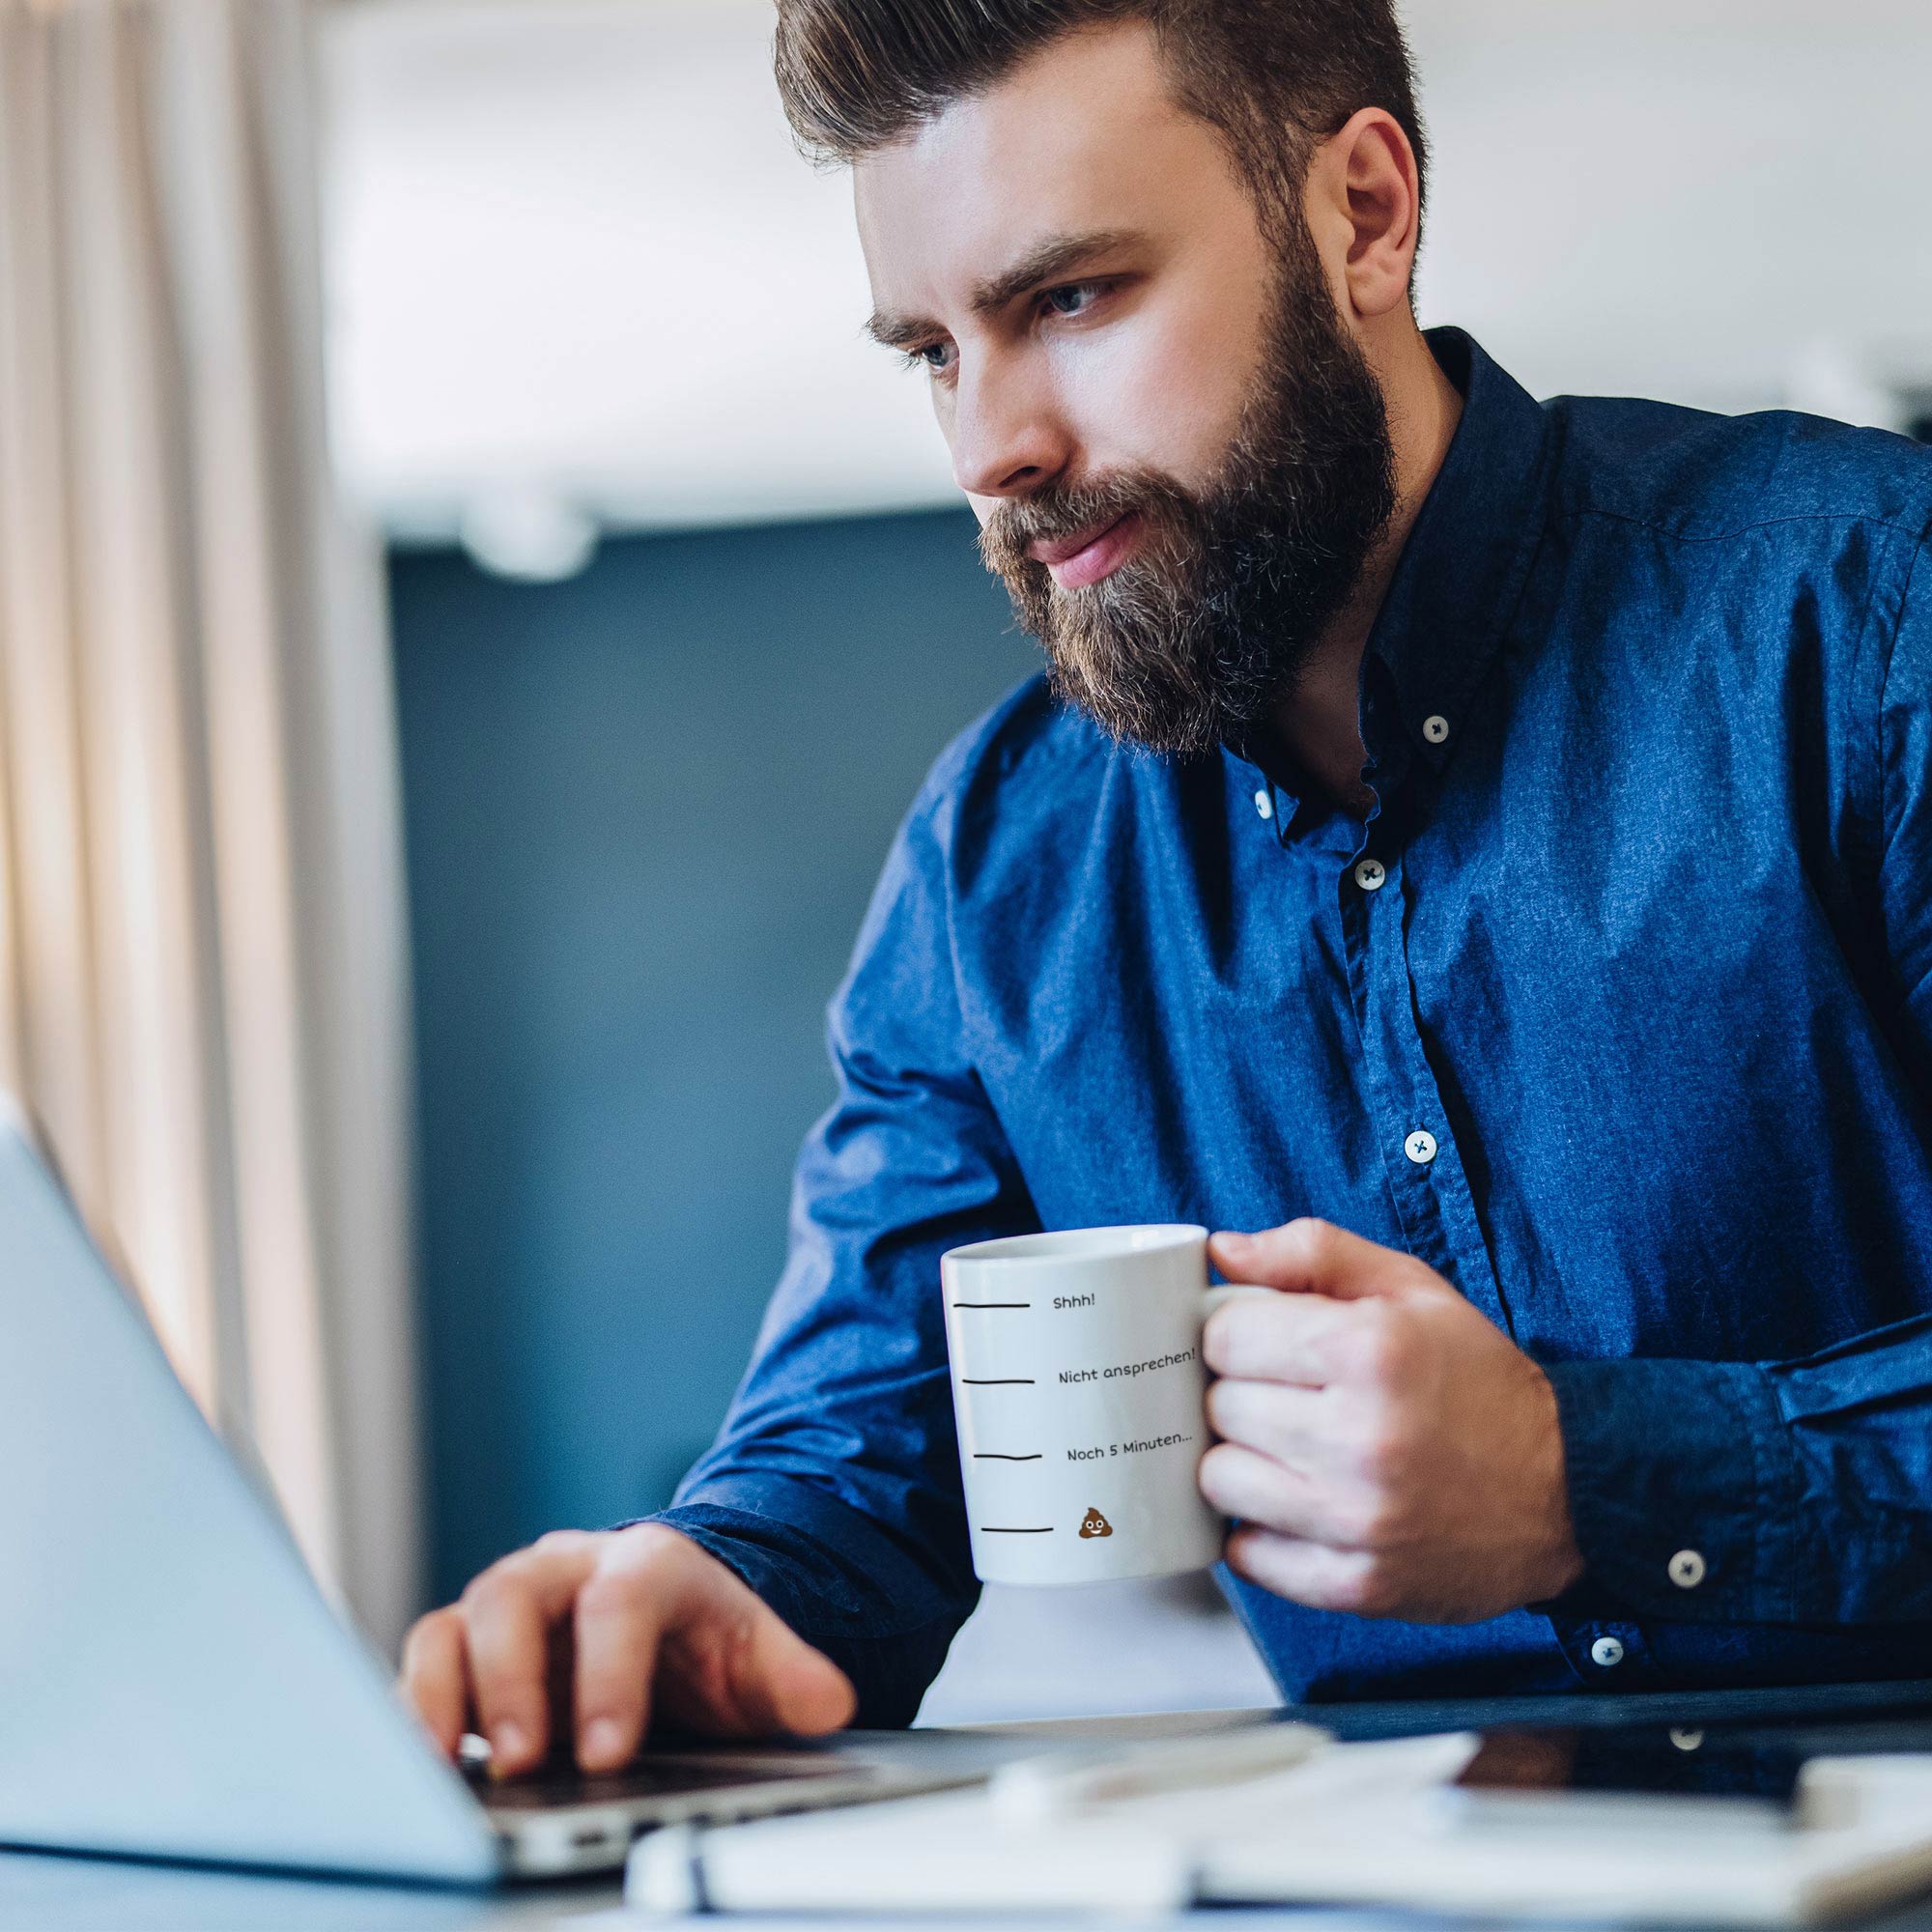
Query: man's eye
[[929, 356], [1073, 298]]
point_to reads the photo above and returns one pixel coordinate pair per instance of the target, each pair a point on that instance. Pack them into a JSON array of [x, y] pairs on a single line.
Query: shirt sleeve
[[1758, 1493], [1796, 1492], [1905, 760], [833, 1486]]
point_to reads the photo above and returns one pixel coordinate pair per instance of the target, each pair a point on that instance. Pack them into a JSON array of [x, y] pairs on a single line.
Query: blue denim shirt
[[1649, 718]]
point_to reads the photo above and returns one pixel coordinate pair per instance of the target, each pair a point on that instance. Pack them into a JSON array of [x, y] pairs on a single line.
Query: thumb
[[1309, 1256], [793, 1687]]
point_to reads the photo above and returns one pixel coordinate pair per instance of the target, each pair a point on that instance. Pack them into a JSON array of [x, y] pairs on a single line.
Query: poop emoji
[[1093, 1524]]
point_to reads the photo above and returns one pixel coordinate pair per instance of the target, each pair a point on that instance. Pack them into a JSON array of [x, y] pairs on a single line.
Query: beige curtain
[[202, 970]]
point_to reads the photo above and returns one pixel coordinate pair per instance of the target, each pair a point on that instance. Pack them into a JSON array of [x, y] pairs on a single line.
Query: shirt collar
[[1459, 577]]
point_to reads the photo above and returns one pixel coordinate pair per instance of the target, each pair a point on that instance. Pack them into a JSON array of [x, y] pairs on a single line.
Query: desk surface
[[41, 1892]]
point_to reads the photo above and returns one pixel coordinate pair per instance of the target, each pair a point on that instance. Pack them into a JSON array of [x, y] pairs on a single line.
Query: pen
[[1037, 1789]]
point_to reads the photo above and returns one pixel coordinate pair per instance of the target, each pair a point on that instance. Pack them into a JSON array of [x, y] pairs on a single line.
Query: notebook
[[1515, 1824]]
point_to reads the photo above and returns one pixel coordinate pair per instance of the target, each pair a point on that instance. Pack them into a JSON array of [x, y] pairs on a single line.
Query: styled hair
[[1273, 78]]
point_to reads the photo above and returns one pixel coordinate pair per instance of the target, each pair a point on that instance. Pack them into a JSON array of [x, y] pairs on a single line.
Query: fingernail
[[506, 1742], [601, 1742], [1233, 1240]]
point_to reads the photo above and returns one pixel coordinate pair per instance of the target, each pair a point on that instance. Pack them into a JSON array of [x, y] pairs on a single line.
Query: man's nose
[[1008, 441]]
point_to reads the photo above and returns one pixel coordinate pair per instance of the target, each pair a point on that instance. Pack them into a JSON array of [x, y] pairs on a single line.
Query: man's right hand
[[600, 1629]]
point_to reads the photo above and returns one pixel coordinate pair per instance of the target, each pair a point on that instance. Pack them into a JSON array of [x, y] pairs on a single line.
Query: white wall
[[572, 246], [1718, 201], [573, 242]]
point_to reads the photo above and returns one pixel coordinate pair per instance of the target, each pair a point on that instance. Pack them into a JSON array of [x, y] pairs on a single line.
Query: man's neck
[[1320, 721]]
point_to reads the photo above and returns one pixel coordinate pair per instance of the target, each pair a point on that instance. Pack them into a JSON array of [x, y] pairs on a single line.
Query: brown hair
[[1274, 77]]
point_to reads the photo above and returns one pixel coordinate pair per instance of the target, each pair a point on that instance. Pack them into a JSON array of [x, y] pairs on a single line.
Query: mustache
[[1062, 511]]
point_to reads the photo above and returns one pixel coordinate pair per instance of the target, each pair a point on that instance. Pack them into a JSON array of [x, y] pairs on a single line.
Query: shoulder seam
[[1561, 513], [1920, 538]]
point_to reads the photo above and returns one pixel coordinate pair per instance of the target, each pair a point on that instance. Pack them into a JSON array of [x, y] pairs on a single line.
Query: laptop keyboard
[[655, 1776]]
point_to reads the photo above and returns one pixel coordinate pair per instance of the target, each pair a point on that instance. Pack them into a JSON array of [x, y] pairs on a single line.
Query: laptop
[[174, 1685]]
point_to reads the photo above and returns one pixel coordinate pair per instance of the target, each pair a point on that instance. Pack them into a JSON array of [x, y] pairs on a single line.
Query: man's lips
[[1089, 555]]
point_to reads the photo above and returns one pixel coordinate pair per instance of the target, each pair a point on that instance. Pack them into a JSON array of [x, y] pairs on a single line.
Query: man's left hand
[[1387, 1448]]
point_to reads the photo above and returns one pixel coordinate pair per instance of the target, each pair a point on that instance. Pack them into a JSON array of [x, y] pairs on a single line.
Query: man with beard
[[1478, 843]]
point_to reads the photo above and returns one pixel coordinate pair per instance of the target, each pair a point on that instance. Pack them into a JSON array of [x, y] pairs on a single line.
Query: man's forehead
[[1081, 139]]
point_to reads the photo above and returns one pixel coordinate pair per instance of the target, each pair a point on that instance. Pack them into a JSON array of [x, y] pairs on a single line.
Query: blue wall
[[645, 811]]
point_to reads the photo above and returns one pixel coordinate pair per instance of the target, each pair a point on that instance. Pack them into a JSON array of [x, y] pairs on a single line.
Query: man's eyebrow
[[1052, 260]]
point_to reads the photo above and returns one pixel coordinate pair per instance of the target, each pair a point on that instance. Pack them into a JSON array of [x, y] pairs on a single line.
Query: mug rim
[[1079, 1244]]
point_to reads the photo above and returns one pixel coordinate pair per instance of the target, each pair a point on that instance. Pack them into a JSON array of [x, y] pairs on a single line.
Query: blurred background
[[473, 608]]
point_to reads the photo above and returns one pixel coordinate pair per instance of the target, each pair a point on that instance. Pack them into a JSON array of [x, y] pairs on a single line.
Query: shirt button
[[1420, 1146], [1435, 729], [1686, 1569], [1606, 1653], [1264, 804], [1369, 875]]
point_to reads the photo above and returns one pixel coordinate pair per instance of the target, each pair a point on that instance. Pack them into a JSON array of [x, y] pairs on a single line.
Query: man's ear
[[1363, 207]]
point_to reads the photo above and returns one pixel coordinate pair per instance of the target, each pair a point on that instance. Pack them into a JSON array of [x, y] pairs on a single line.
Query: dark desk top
[[42, 1892], [1822, 1710]]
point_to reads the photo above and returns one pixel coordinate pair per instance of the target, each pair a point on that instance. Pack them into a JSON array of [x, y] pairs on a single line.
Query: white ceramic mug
[[1079, 1388]]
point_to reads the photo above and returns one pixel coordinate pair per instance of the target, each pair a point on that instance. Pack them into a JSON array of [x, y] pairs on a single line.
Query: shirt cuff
[[1683, 1489]]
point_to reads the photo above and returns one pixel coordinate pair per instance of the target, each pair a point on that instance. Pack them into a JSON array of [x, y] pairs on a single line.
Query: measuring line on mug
[[1101, 1328], [1000, 1382]]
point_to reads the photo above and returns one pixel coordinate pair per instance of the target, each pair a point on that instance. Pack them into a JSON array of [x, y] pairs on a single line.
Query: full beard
[[1206, 626]]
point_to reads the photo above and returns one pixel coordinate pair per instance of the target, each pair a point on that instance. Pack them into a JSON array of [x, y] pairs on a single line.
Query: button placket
[[1425, 1172], [1371, 931]]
